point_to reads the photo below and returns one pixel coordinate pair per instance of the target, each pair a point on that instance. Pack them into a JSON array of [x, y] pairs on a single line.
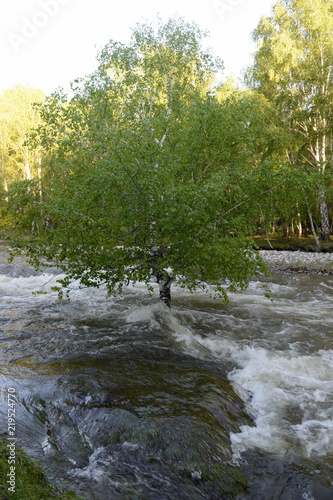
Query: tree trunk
[[314, 230], [299, 229], [27, 169], [325, 223], [164, 281], [321, 160]]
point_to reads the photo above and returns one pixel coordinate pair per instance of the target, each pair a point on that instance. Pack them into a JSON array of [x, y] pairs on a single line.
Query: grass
[[30, 481]]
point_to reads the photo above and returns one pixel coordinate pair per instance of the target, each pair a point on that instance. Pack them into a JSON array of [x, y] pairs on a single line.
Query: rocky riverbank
[[299, 262]]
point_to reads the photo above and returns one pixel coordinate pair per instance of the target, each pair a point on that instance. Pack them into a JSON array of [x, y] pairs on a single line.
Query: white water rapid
[[278, 352]]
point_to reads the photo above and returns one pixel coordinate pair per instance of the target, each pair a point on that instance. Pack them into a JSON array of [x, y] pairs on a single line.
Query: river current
[[120, 398]]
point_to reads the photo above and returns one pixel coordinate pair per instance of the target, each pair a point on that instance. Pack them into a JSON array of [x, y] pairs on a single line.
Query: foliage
[[148, 173], [293, 69], [18, 117]]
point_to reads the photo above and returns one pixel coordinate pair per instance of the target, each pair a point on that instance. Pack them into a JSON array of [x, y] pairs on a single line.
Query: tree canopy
[[293, 68], [152, 170], [18, 117], [146, 173]]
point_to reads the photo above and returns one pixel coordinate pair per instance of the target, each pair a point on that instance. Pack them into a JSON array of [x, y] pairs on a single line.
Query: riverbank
[[298, 262]]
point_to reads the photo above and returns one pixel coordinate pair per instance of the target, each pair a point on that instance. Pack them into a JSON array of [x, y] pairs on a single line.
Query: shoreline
[[298, 262], [304, 270]]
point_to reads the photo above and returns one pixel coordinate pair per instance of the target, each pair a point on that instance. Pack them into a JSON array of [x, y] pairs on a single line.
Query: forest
[[154, 168]]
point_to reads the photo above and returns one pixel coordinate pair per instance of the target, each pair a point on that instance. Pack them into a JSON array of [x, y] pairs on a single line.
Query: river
[[120, 398]]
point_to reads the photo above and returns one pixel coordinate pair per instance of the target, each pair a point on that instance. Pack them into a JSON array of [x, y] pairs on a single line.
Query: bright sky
[[49, 43]]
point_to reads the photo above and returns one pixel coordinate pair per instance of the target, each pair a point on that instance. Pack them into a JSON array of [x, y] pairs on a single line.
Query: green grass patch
[[30, 481]]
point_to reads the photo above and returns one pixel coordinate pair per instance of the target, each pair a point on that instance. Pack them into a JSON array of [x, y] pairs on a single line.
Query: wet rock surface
[[305, 270], [282, 479]]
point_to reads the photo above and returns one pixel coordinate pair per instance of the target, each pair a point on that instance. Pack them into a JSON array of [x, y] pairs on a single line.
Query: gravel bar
[[299, 262]]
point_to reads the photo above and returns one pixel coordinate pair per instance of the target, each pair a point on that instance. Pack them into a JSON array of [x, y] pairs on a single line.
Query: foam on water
[[144, 314], [24, 286], [291, 400], [288, 390], [288, 386], [290, 396]]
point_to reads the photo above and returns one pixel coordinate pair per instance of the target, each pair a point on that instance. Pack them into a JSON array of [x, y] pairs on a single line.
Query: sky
[[48, 43]]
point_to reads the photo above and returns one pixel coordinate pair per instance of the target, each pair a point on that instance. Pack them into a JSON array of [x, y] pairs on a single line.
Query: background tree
[[144, 183], [293, 68], [18, 117]]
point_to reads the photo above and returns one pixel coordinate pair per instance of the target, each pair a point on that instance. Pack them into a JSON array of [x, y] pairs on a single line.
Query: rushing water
[[122, 399]]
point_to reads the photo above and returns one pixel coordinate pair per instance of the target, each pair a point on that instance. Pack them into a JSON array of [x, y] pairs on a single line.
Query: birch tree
[[18, 117], [293, 67], [143, 185]]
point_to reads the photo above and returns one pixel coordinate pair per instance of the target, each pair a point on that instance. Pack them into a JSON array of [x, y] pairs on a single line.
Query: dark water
[[122, 399]]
